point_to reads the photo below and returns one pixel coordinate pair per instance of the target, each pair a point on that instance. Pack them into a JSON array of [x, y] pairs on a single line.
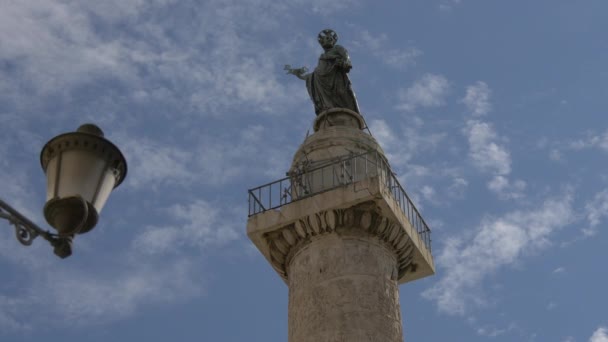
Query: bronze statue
[[328, 85]]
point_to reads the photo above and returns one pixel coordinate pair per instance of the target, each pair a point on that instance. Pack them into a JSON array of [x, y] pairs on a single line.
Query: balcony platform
[[376, 203]]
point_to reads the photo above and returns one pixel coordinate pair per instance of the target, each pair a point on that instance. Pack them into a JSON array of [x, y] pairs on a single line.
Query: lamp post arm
[[26, 230]]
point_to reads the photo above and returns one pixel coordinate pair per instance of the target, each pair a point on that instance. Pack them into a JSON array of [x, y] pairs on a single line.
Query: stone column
[[344, 239], [343, 287]]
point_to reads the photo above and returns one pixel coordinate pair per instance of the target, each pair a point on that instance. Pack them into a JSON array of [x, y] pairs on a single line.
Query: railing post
[[354, 173]]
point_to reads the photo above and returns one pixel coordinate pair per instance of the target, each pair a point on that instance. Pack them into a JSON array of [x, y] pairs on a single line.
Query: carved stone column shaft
[[343, 287]]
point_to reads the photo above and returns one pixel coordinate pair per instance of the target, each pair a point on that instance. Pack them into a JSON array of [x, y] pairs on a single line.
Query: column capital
[[364, 219]]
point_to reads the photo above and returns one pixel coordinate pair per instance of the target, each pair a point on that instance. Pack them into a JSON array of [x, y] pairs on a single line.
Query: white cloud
[[507, 189], [384, 134], [559, 270], [494, 331], [447, 5], [490, 156], [214, 159], [197, 224], [429, 91], [54, 46], [484, 149], [85, 297], [497, 243], [555, 155], [428, 193], [558, 149], [152, 163], [596, 211], [599, 141], [60, 47], [599, 335], [477, 99], [254, 150], [118, 286], [403, 145], [458, 186], [9, 307], [379, 46], [324, 7]]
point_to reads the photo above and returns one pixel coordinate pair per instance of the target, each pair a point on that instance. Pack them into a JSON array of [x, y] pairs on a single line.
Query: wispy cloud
[[497, 243], [254, 150], [596, 211], [591, 141], [58, 48], [9, 309], [494, 331], [155, 271], [559, 150], [428, 91], [599, 335], [447, 5], [507, 189], [477, 99], [429, 193], [403, 145], [83, 297], [486, 150], [79, 298], [153, 163], [555, 155], [458, 186], [379, 46], [197, 224], [559, 270], [407, 145], [221, 157], [326, 8]]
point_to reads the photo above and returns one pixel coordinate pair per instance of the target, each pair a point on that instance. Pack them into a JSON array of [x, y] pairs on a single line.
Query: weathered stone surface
[[342, 287], [338, 133]]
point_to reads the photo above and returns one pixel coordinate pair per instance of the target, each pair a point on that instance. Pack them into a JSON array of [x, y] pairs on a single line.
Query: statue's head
[[327, 38]]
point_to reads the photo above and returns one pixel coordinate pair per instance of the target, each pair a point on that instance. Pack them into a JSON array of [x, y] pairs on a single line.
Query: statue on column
[[328, 85]]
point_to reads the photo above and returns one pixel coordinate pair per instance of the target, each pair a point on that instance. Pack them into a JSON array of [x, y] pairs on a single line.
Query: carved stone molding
[[363, 218]]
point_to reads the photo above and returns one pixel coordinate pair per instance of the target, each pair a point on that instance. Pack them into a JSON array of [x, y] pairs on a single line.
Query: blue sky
[[492, 114]]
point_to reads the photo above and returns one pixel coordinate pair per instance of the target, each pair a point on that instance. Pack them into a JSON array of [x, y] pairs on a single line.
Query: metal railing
[[335, 174]]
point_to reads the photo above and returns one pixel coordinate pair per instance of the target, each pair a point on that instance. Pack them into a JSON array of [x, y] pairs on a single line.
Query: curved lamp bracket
[[26, 231]]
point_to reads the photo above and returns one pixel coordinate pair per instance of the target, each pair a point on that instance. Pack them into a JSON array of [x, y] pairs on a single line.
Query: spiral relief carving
[[365, 217]]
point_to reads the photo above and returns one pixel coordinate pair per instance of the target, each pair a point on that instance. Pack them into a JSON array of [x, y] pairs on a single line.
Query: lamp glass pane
[[80, 174], [51, 178], [107, 184]]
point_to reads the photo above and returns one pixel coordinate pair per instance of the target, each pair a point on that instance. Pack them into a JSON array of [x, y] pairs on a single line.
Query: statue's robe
[[328, 85]]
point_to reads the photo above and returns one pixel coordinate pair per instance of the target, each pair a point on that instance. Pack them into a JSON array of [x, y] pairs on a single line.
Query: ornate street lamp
[[81, 168]]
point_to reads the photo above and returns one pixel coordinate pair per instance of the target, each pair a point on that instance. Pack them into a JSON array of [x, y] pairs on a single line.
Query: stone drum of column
[[343, 288]]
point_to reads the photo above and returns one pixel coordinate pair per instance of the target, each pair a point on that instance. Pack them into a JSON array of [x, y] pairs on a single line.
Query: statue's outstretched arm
[[299, 72]]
